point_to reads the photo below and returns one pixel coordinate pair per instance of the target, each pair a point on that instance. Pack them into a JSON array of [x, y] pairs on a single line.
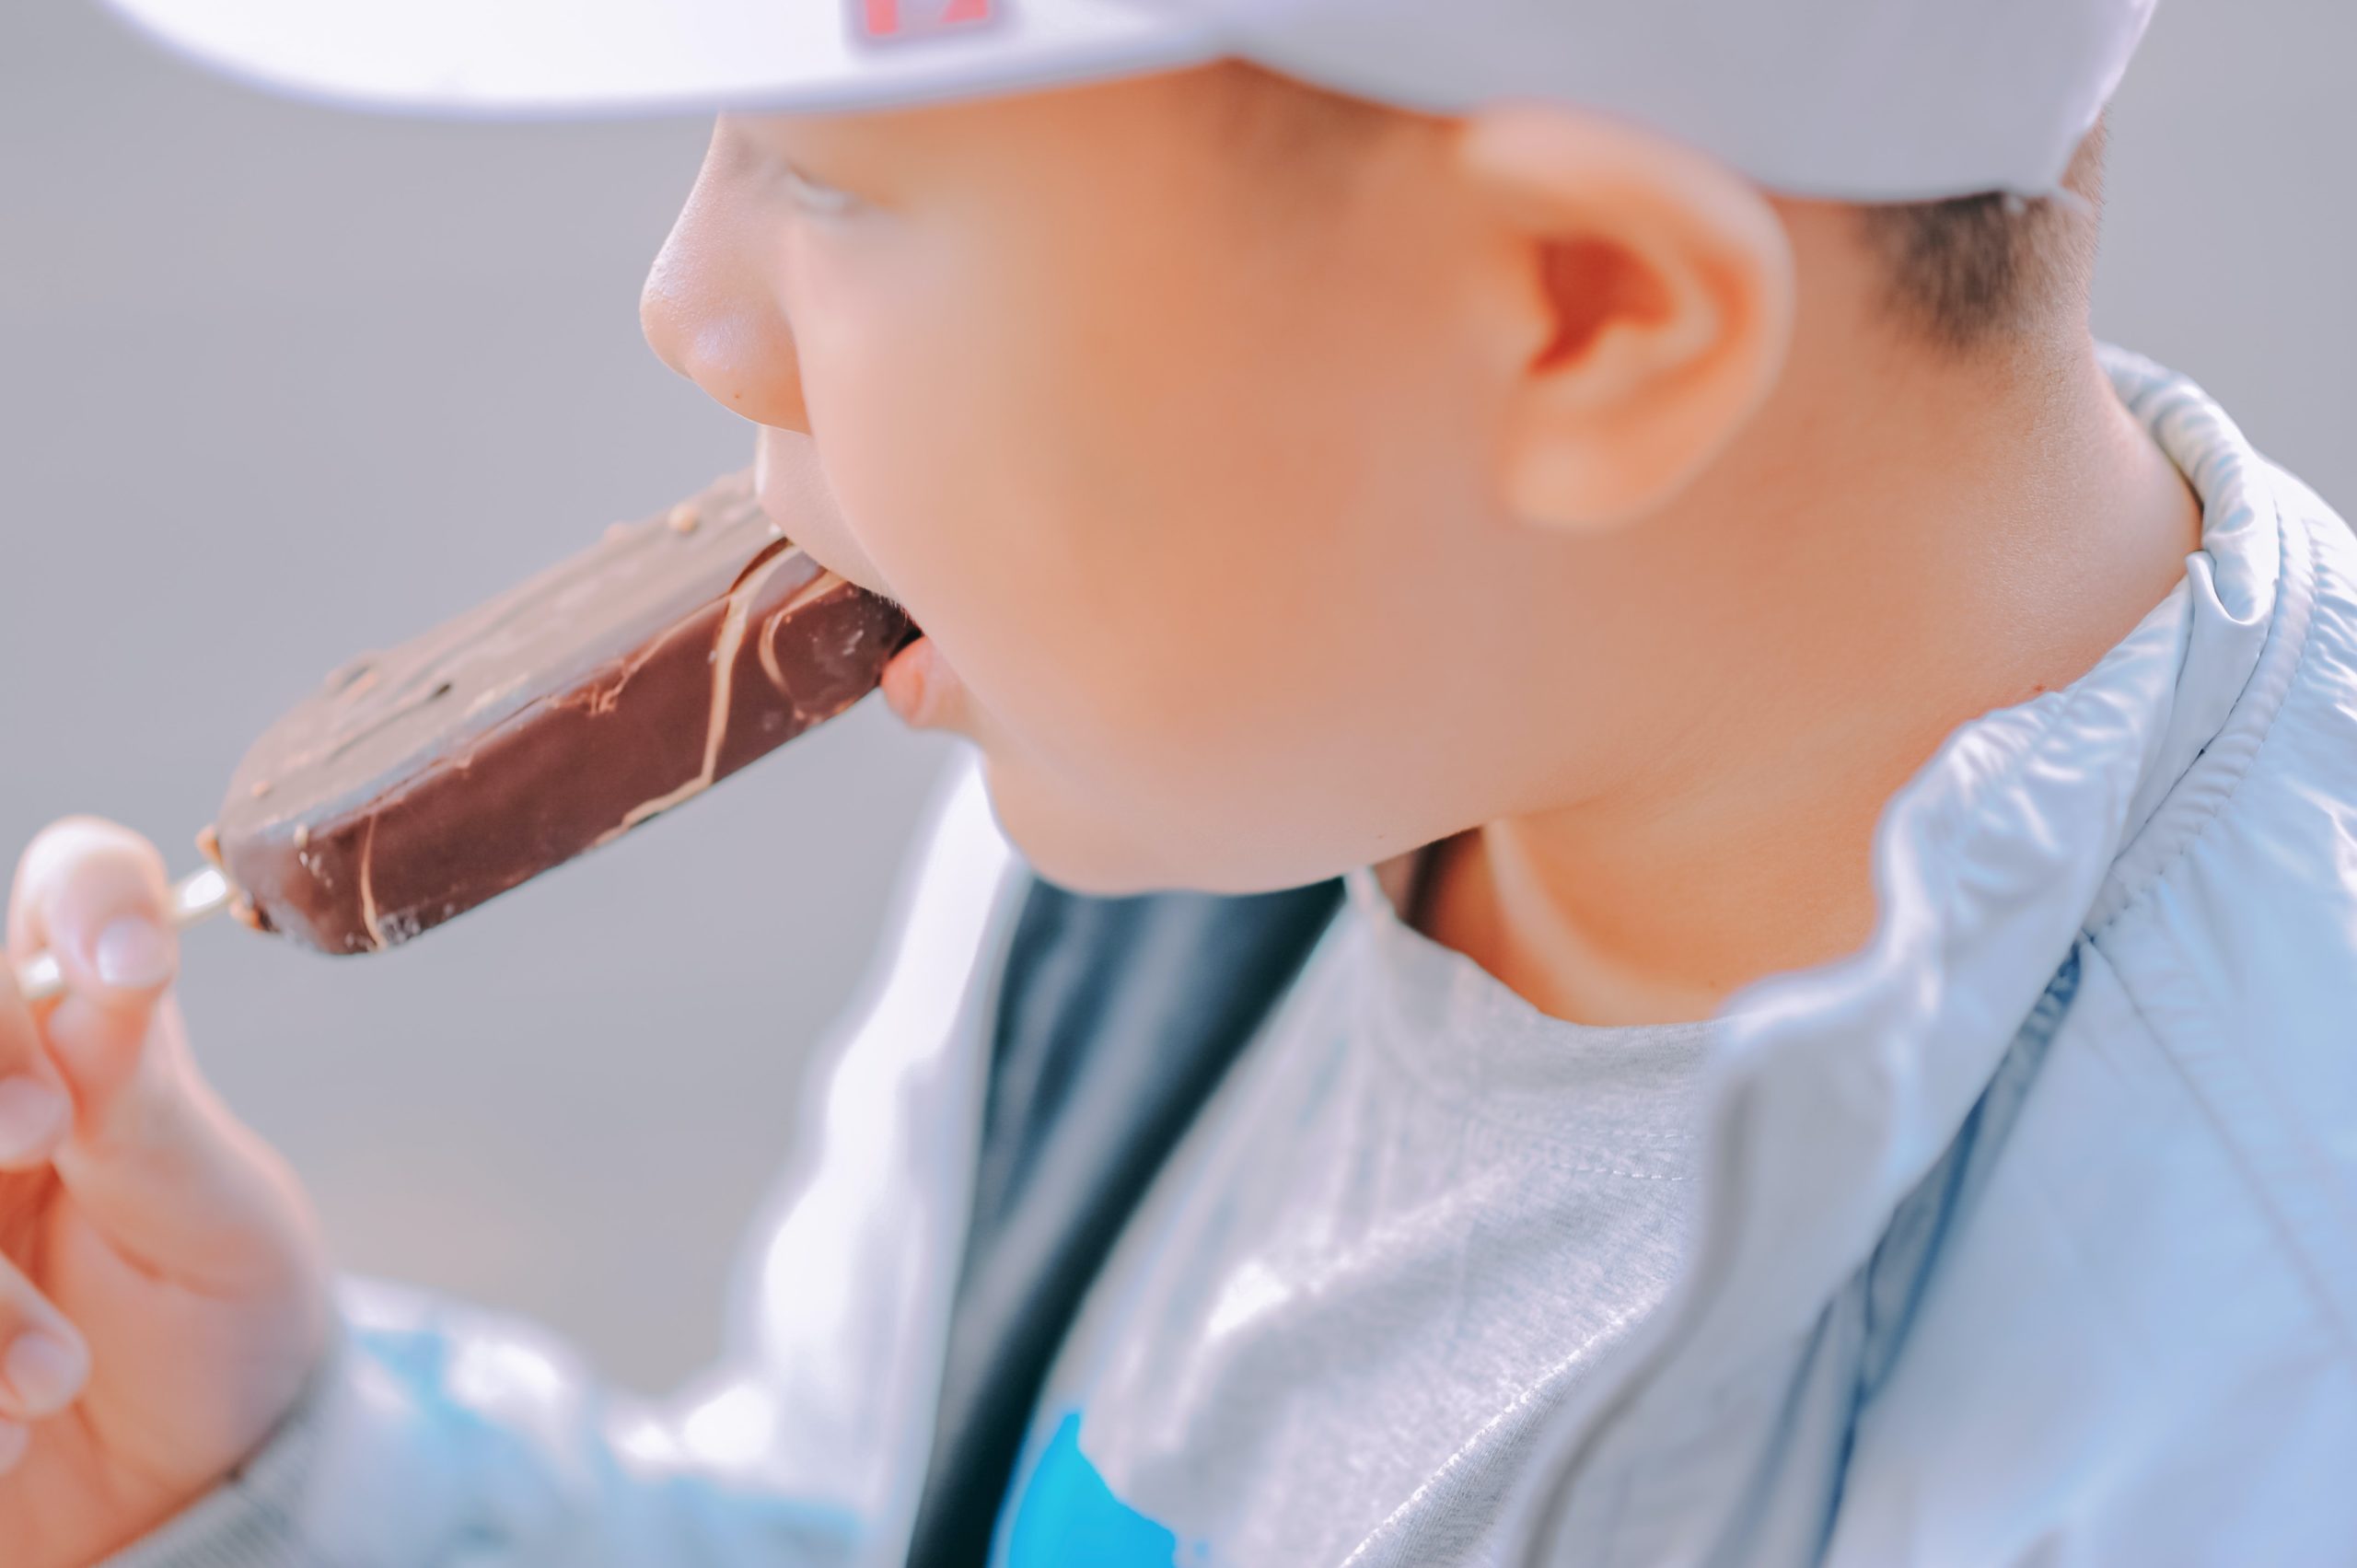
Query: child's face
[[1177, 444]]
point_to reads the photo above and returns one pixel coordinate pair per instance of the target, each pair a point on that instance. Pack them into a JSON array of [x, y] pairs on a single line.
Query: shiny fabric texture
[[2027, 1232]]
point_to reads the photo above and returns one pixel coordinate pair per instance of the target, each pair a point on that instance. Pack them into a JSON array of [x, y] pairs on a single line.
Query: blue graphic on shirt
[[1067, 1517]]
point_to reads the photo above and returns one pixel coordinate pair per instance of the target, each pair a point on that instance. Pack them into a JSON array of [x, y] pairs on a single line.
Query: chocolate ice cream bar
[[416, 784]]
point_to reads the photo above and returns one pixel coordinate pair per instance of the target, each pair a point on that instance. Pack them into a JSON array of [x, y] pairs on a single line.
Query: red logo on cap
[[886, 19]]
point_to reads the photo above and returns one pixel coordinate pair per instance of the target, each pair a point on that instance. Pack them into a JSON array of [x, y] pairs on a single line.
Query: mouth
[[792, 492], [914, 677], [856, 575], [912, 632], [920, 686], [857, 579]]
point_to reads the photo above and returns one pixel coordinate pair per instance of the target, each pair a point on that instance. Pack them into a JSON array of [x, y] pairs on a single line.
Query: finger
[[95, 895], [15, 1438], [153, 1160], [177, 1186], [35, 1110], [43, 1363]]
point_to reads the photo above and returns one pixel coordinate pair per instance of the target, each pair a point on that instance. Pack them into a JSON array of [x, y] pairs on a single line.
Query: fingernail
[[44, 1370], [31, 1113], [14, 1437], [133, 953]]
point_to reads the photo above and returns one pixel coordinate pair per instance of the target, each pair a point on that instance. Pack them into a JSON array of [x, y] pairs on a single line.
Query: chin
[[1079, 847], [1079, 860], [1084, 847]]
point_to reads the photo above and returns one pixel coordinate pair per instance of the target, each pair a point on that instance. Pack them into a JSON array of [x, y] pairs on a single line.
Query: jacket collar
[[1837, 1088]]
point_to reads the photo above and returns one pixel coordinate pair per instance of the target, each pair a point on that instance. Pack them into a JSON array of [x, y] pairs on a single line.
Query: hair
[[1960, 274], [1971, 269]]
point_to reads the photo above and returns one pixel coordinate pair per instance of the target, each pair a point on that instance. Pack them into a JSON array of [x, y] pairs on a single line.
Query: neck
[[1962, 538]]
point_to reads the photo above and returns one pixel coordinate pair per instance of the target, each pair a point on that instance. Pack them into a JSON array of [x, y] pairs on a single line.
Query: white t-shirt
[[1406, 1225]]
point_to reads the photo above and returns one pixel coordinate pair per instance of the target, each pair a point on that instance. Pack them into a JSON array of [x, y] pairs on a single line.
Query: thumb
[[153, 1158], [93, 894]]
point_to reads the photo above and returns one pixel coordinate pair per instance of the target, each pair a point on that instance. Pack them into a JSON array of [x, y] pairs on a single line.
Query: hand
[[162, 1293]]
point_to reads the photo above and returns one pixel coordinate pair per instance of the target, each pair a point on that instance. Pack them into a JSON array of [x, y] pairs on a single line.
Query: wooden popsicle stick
[[198, 896]]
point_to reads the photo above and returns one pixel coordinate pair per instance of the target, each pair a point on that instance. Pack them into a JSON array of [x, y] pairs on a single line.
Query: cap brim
[[580, 58]]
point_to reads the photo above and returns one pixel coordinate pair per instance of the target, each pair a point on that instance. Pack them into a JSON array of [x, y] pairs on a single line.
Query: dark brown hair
[[1958, 273], [1970, 269]]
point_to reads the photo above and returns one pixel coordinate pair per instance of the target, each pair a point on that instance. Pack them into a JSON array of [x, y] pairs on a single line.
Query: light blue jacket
[[2028, 1231]]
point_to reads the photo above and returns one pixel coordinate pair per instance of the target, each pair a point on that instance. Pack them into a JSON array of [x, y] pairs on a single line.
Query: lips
[[918, 688], [793, 492], [920, 685], [918, 691], [855, 571]]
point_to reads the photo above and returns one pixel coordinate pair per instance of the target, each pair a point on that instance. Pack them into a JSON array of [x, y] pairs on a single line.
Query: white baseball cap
[[1847, 99]]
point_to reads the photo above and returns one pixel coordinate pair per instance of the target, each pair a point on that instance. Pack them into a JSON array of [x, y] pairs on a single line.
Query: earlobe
[[1652, 294]]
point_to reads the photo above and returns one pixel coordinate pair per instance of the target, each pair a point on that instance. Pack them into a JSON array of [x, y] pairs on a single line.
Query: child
[[1677, 880]]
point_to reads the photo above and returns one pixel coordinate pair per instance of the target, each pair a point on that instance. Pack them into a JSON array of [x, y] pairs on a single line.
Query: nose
[[710, 311]]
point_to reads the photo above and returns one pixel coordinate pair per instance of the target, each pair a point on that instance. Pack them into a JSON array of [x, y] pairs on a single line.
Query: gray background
[[277, 384]]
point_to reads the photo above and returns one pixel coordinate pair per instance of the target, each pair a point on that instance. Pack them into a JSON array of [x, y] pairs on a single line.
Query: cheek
[[1051, 485], [1177, 544]]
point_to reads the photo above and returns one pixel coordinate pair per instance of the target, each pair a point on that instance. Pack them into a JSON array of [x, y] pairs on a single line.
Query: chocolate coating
[[417, 784]]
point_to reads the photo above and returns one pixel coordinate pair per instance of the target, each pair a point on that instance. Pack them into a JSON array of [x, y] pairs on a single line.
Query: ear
[[1648, 294]]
